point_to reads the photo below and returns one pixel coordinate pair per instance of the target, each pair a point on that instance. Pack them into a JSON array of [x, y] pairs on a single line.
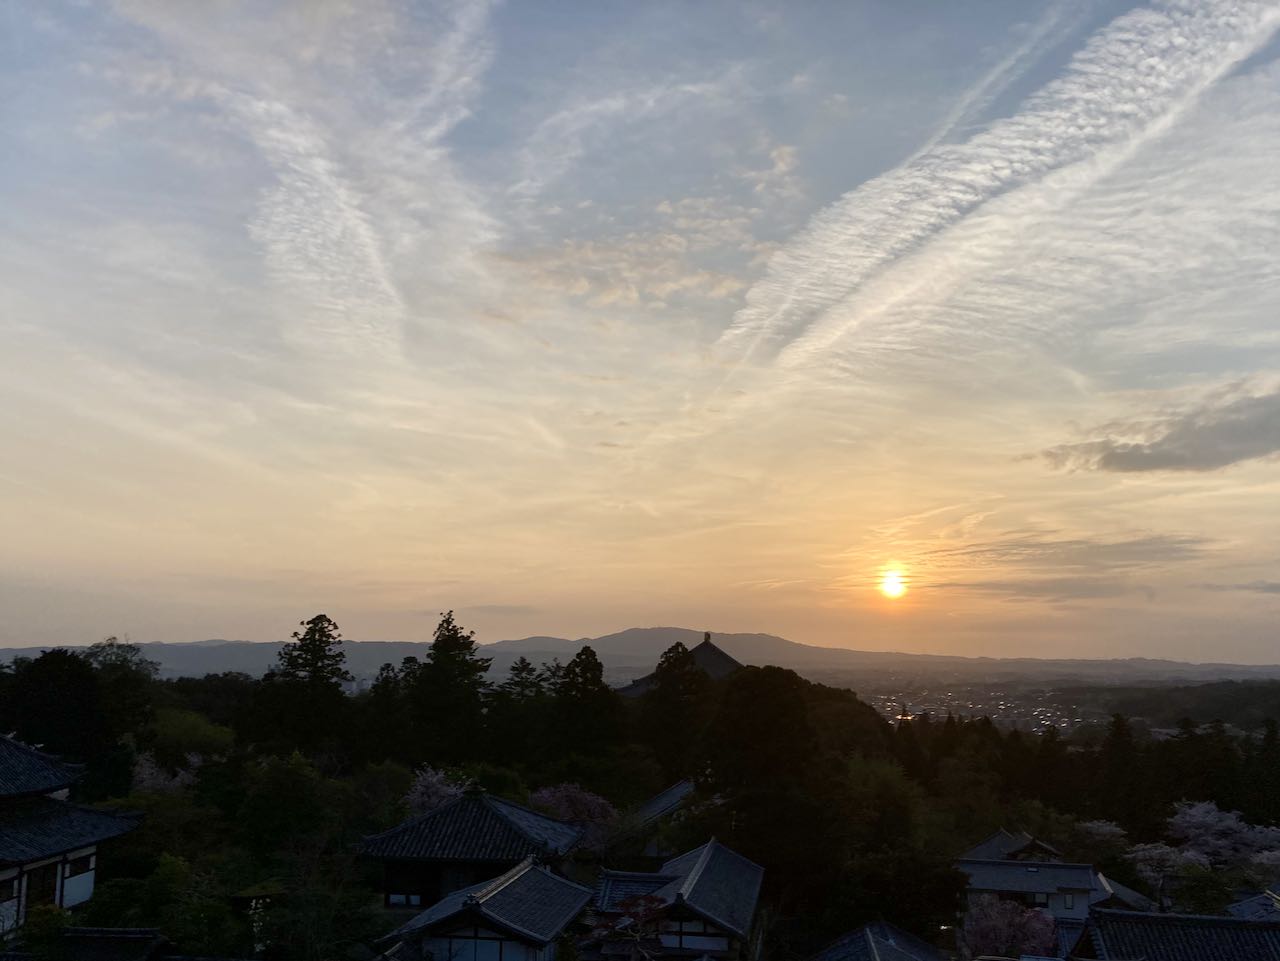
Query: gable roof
[[26, 771], [1004, 845], [1035, 877], [527, 901], [1260, 907], [714, 662], [714, 882], [474, 827], [660, 805], [1138, 936], [1123, 896], [878, 941], [42, 827]]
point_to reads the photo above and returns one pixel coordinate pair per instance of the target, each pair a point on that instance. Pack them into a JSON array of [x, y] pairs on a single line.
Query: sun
[[893, 583]]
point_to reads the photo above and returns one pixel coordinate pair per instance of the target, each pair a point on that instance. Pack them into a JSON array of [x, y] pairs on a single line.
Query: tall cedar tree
[[674, 711], [448, 692], [586, 712], [300, 704], [315, 654]]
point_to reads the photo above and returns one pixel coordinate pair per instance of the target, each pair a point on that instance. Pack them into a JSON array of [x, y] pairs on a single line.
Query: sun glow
[[893, 583]]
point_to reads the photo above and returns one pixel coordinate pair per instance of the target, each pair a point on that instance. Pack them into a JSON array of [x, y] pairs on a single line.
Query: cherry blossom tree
[[571, 802], [431, 788], [1007, 929]]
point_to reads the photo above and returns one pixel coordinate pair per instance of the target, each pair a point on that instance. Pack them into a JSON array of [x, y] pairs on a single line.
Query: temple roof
[[474, 827], [714, 882], [527, 901], [1031, 877], [1139, 936], [878, 941], [714, 662], [41, 827], [1006, 845], [27, 771]]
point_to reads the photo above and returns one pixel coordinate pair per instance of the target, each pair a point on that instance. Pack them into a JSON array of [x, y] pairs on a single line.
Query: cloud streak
[[1208, 437], [1126, 85]]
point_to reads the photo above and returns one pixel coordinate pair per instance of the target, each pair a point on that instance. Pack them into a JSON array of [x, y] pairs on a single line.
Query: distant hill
[[633, 653]]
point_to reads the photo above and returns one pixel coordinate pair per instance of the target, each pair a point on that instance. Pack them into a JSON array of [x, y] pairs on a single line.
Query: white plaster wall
[[77, 890], [8, 916]]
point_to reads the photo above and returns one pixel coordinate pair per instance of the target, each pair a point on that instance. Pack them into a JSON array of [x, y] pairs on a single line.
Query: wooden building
[[700, 904], [520, 915], [48, 846], [466, 841]]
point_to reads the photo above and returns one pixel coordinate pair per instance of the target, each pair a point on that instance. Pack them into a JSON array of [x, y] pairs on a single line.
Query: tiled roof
[[714, 662], [660, 805], [712, 881], [1260, 907], [528, 901], [1123, 896], [42, 827], [474, 827], [1029, 877], [1138, 936], [1005, 845], [879, 941], [615, 888], [24, 770], [1067, 931]]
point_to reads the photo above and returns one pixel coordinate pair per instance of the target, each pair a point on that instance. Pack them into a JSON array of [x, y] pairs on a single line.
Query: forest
[[249, 786]]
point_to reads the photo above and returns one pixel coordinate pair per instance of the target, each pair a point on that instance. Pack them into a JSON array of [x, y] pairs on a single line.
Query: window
[[8, 889], [78, 866], [1069, 901], [1039, 899]]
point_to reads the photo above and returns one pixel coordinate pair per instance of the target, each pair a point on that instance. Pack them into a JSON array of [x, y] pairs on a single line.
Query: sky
[[573, 316]]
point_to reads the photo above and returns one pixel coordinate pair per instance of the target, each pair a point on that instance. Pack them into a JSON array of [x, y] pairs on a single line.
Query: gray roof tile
[[1139, 936], [1027, 877], [474, 827], [42, 827], [879, 941], [25, 770], [528, 901], [713, 881]]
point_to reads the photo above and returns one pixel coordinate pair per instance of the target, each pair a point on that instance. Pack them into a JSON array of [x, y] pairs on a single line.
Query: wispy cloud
[[1252, 587], [352, 126], [562, 138], [1126, 85], [1209, 436]]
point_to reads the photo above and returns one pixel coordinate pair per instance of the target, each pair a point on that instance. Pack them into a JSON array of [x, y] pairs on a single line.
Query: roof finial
[[706, 637]]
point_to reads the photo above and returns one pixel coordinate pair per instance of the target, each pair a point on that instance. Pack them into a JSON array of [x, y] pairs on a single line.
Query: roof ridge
[[519, 871], [417, 818], [500, 882], [871, 943], [32, 749], [490, 801], [1033, 864], [1175, 917], [691, 879]]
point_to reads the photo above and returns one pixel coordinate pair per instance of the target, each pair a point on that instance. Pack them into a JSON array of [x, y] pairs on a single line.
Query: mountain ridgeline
[[630, 654]]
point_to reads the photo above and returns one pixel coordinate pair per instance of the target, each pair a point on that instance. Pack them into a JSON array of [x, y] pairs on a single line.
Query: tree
[[675, 709], [523, 681], [446, 693], [56, 703], [571, 802], [315, 655], [586, 711], [761, 734], [432, 788], [1006, 929]]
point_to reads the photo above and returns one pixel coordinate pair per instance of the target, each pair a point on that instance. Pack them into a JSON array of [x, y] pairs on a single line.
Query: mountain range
[[632, 653]]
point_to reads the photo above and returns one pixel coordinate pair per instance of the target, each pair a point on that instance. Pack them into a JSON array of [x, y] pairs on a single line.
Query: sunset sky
[[576, 316]]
